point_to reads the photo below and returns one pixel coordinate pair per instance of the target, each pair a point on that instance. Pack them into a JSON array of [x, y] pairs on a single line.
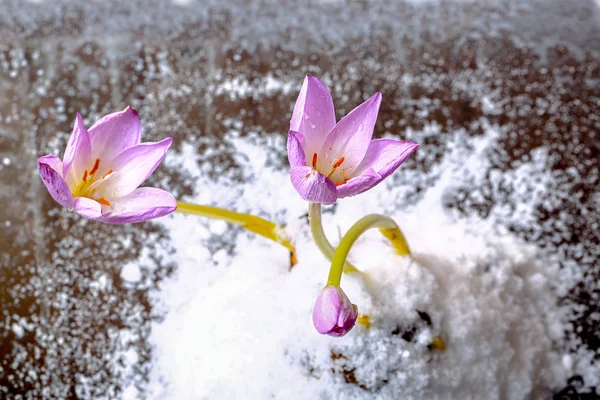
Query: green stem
[[250, 222], [388, 228], [316, 228]]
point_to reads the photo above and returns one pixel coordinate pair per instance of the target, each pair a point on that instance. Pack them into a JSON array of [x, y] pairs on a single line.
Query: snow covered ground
[[239, 325]]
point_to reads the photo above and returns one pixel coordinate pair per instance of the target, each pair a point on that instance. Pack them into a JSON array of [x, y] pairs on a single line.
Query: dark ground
[[61, 334]]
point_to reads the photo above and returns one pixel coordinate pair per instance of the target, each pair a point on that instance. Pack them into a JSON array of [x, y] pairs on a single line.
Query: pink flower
[[101, 170], [330, 161], [333, 314]]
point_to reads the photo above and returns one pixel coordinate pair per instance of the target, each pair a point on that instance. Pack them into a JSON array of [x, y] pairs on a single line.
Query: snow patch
[[239, 324]]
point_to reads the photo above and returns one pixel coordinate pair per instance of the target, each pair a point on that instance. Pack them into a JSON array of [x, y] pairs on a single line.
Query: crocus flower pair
[[102, 168]]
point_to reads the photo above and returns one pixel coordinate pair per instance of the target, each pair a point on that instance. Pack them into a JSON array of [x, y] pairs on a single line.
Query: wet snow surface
[[504, 98]]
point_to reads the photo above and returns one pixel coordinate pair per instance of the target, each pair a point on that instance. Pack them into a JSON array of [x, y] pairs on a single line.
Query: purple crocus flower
[[101, 170], [333, 314], [330, 161]]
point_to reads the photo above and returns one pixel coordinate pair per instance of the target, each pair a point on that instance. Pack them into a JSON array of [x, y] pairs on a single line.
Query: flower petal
[[349, 139], [88, 208], [346, 320], [56, 185], [326, 310], [359, 184], [312, 186], [132, 167], [314, 115], [114, 133], [78, 153], [53, 162], [141, 205], [296, 155], [385, 155]]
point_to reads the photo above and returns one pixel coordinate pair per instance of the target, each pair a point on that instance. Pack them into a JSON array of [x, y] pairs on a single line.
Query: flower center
[[339, 162], [89, 183], [339, 180]]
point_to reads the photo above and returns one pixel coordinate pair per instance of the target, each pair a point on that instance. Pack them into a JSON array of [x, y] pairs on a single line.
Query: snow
[[131, 273], [238, 324]]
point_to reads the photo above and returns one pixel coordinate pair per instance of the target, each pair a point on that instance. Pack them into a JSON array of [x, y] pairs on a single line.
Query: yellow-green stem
[[388, 228], [316, 228], [250, 222]]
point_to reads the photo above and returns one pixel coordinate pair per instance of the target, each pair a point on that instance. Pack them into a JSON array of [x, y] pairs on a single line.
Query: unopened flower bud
[[334, 314]]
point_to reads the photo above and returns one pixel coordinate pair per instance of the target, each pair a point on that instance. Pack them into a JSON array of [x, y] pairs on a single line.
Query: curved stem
[[250, 222], [388, 228], [316, 228]]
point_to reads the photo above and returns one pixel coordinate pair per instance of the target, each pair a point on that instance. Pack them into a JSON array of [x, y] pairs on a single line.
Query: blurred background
[[193, 69]]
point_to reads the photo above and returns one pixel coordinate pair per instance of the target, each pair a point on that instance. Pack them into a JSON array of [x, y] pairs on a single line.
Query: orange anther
[[96, 165], [338, 162], [341, 183], [103, 201], [110, 171], [85, 175], [314, 160]]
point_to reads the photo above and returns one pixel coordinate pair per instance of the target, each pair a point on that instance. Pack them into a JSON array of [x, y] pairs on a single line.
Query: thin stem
[[250, 222], [316, 228], [388, 228]]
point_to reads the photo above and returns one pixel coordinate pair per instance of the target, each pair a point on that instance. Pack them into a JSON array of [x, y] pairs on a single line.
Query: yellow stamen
[[110, 171], [338, 162], [96, 165], [335, 165]]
